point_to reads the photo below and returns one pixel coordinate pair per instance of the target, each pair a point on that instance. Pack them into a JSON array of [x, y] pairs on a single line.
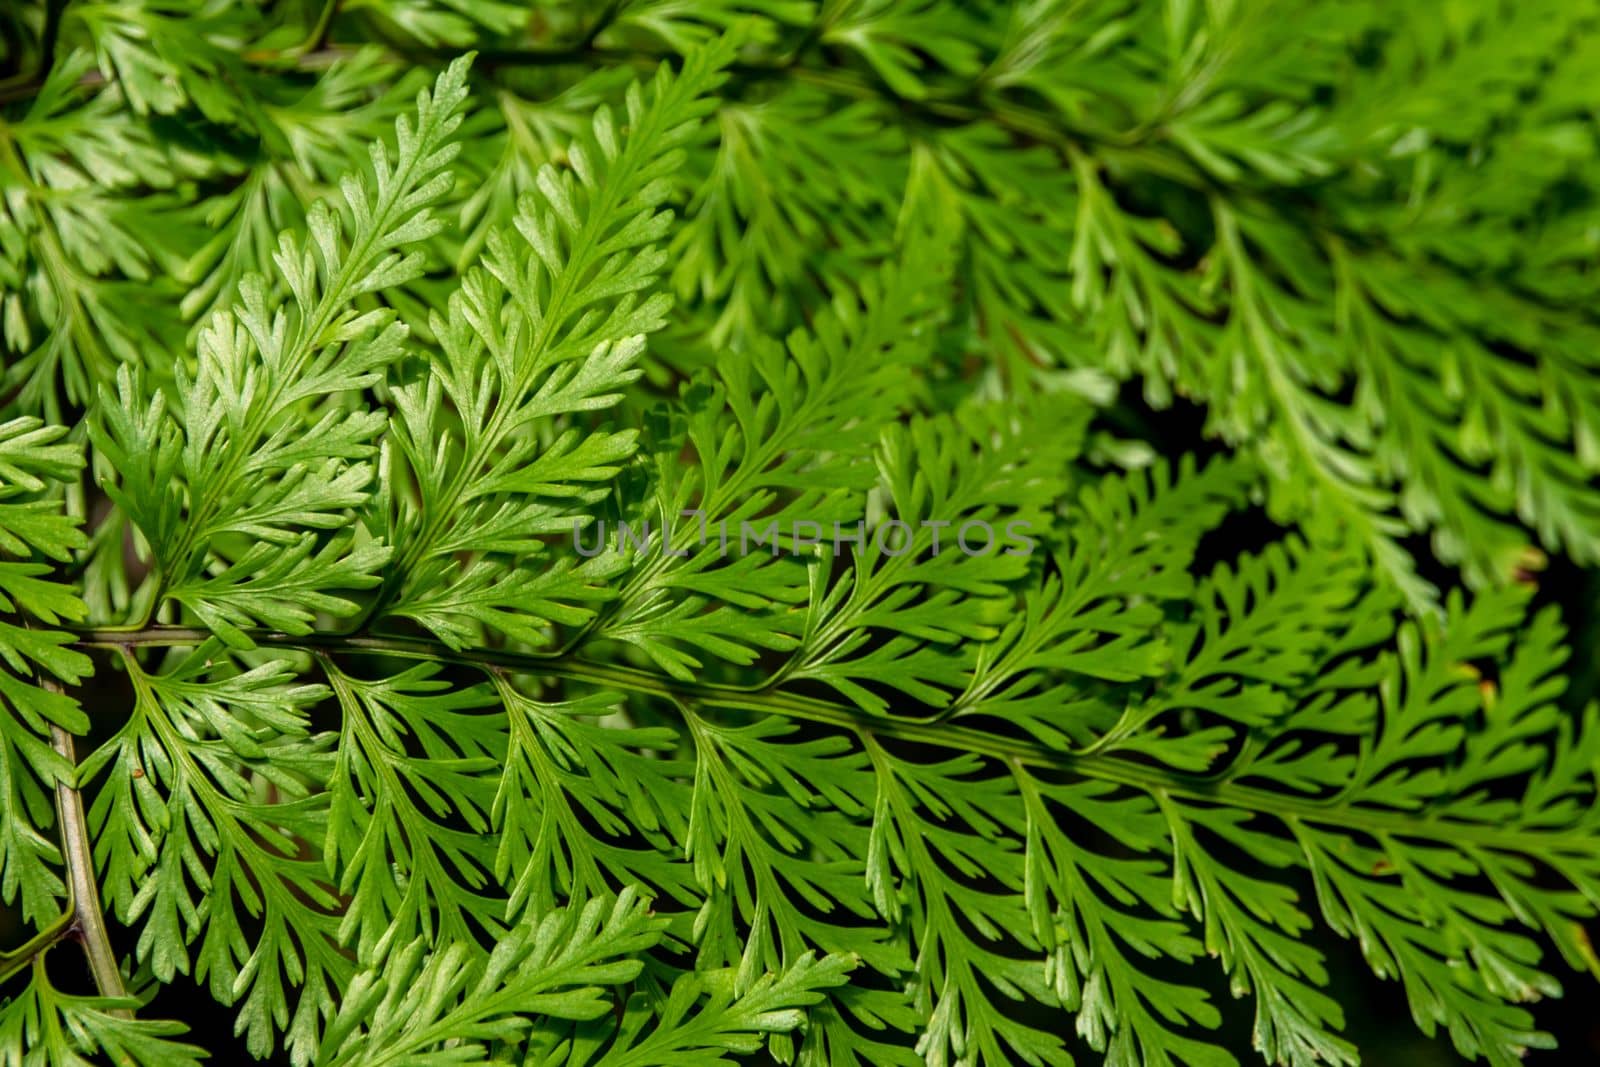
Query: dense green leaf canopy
[[664, 532]]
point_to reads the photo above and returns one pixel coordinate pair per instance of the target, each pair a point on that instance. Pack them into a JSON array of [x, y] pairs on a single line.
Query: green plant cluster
[[332, 329]]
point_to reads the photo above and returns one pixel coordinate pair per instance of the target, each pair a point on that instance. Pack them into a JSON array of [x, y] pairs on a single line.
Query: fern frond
[[46, 1025], [558, 317]]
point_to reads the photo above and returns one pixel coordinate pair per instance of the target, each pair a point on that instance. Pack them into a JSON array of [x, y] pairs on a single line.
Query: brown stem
[[1011, 751], [83, 893]]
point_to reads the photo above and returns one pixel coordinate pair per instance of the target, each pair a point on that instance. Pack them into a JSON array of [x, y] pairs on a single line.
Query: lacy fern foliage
[[664, 533]]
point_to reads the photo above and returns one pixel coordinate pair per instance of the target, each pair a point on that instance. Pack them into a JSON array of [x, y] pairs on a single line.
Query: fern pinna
[[634, 548]]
